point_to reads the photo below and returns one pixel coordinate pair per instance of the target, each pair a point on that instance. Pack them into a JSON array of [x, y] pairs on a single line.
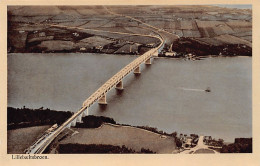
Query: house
[[42, 34], [170, 54]]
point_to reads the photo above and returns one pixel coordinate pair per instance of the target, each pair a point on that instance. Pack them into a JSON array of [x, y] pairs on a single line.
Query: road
[[199, 148]]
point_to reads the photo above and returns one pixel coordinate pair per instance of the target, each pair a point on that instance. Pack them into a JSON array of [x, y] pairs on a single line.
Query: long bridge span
[[100, 94]]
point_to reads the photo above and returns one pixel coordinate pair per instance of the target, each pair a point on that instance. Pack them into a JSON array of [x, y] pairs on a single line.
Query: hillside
[[29, 29]]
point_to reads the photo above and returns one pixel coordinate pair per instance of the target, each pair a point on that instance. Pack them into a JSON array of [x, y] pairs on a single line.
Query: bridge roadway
[[100, 94]]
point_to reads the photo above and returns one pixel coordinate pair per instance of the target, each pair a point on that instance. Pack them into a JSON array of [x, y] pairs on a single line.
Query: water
[[168, 95], [237, 6]]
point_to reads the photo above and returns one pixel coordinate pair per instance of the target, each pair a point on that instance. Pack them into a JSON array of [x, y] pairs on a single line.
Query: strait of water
[[237, 6], [168, 95]]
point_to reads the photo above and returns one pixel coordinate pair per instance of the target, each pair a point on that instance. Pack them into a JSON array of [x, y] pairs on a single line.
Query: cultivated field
[[131, 137], [210, 24]]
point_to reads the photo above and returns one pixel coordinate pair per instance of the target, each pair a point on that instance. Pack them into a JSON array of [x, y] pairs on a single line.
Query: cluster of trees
[[155, 130], [178, 142], [219, 142], [241, 145], [92, 121], [185, 45], [94, 148], [25, 117]]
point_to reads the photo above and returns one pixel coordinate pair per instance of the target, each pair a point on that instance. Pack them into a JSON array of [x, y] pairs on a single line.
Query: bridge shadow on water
[[132, 79], [119, 92], [102, 107]]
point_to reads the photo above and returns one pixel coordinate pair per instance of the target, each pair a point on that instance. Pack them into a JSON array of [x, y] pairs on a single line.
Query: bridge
[[100, 94]]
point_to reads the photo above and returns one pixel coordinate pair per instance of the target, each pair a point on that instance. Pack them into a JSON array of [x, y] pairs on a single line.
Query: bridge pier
[[85, 113], [103, 100], [69, 125], [148, 61], [137, 70], [156, 53], [119, 86], [79, 118], [73, 123]]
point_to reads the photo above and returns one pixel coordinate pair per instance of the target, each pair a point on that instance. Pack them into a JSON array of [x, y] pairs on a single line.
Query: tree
[[220, 142], [178, 143]]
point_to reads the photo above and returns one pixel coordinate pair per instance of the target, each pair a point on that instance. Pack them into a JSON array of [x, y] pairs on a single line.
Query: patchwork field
[[211, 24]]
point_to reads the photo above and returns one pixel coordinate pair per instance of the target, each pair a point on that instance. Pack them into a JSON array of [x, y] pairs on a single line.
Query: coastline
[[96, 124]]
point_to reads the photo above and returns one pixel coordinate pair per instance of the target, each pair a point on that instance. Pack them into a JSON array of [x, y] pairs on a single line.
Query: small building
[[82, 49], [75, 34], [42, 34], [99, 47], [170, 54]]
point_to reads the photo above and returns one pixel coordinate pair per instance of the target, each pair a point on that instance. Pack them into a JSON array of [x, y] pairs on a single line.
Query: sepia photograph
[[129, 79]]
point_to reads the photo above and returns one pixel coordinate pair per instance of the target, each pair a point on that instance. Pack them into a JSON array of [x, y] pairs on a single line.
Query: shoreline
[[94, 122], [98, 123], [98, 120], [166, 57]]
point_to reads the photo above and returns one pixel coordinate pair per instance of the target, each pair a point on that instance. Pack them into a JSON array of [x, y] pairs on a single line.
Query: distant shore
[[202, 30], [182, 48]]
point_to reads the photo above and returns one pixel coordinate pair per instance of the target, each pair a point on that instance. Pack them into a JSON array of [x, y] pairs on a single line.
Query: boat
[[208, 90]]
